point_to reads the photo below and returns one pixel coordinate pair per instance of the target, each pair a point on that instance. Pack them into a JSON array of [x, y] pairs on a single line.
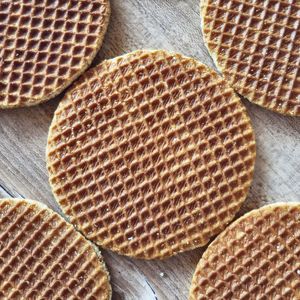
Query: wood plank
[[172, 25]]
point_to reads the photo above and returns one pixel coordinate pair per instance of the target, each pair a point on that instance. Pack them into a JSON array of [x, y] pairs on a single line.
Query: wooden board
[[173, 25]]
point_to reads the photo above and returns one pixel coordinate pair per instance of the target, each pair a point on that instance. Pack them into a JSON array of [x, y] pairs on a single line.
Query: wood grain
[[172, 25]]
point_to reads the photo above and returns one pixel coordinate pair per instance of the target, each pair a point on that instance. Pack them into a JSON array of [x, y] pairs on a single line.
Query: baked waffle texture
[[257, 257], [256, 46], [44, 257], [150, 154], [45, 45]]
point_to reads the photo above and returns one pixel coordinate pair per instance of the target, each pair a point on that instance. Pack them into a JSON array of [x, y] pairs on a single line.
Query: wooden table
[[173, 25]]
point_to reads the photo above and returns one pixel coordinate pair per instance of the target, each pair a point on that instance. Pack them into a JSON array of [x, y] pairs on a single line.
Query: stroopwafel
[[256, 257], [45, 45], [44, 257], [150, 154], [256, 45]]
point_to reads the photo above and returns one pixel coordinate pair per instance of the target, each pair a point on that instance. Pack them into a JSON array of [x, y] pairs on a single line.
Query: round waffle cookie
[[256, 257], [44, 257], [45, 45], [150, 154], [256, 46]]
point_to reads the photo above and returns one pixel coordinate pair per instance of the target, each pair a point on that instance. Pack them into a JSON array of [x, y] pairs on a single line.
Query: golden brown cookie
[[256, 257], [256, 46], [45, 45], [44, 257], [150, 154]]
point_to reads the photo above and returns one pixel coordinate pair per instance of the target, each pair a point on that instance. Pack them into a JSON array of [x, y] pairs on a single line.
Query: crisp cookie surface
[[256, 46], [257, 257], [150, 154], [44, 257], [45, 45]]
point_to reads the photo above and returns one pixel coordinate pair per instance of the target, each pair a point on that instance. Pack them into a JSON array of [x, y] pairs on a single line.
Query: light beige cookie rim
[[74, 86], [253, 212], [85, 64], [42, 206], [203, 9]]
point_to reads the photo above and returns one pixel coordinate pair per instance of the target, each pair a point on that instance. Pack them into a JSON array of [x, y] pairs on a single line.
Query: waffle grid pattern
[[150, 154], [257, 257], [43, 257], [256, 46], [45, 45]]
